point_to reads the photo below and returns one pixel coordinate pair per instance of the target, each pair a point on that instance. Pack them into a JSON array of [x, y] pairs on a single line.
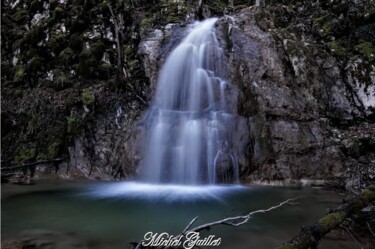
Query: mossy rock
[[330, 221], [173, 19], [147, 22], [88, 97], [366, 49], [53, 150], [337, 49], [368, 193], [20, 16], [32, 125], [129, 50], [324, 25], [19, 74], [25, 154]]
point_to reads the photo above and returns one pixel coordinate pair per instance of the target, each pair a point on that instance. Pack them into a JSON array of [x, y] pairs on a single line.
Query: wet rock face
[[290, 91], [282, 96]]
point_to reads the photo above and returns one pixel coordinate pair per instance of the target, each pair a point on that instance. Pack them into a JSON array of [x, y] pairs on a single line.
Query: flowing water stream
[[188, 125]]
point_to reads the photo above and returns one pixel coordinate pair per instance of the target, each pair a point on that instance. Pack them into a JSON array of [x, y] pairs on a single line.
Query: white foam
[[163, 192]]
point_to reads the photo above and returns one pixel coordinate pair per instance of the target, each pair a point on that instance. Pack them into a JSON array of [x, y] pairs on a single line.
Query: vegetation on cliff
[[67, 62]]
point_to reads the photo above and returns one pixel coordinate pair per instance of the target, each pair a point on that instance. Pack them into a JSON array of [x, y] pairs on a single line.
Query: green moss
[[105, 67], [87, 97], [25, 154], [359, 203], [59, 76], [147, 22], [53, 150], [337, 49], [172, 18], [368, 194], [327, 28], [32, 125], [324, 25], [19, 74], [331, 221], [366, 49], [128, 50], [20, 16]]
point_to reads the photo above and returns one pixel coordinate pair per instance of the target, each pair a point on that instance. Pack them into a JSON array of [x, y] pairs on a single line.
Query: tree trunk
[[309, 236]]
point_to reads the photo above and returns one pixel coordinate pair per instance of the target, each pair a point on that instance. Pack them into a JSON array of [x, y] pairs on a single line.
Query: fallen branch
[[310, 236], [234, 221], [240, 220]]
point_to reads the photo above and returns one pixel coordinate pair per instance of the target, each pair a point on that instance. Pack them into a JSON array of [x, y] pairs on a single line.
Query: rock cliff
[[302, 76]]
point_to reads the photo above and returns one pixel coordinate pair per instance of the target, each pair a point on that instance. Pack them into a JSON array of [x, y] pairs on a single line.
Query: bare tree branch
[[189, 225], [234, 221], [242, 219]]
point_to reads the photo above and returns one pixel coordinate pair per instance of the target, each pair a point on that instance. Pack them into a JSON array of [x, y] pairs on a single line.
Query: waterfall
[[188, 126]]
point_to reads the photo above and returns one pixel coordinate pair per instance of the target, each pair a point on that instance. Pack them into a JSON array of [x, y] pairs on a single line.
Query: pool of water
[[112, 215]]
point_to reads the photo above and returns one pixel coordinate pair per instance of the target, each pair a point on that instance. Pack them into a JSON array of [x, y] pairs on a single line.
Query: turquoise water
[[112, 215]]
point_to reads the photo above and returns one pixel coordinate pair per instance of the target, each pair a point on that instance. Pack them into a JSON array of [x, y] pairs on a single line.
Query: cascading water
[[188, 127]]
